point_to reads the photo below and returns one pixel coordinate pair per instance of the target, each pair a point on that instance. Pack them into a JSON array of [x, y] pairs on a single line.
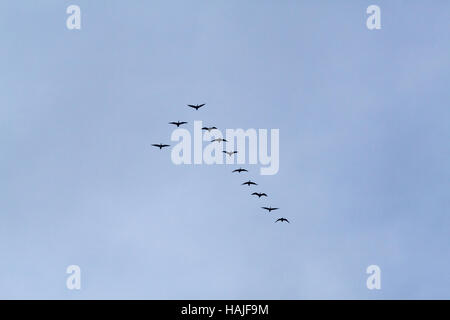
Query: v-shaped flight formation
[[229, 153]]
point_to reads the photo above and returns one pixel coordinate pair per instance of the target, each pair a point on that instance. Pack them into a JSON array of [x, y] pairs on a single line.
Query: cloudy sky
[[364, 149]]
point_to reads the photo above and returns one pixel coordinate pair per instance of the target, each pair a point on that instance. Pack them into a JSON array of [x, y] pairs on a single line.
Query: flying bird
[[249, 183], [160, 146], [269, 208], [196, 107], [240, 170], [259, 194], [230, 153], [209, 128], [178, 123], [219, 140], [282, 219]]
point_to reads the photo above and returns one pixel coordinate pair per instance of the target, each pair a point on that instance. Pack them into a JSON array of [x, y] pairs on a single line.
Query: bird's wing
[[224, 152], [265, 208], [165, 145], [201, 105], [263, 194], [183, 122], [255, 193], [274, 208], [236, 170], [155, 145], [192, 106], [278, 220], [204, 128], [286, 220]]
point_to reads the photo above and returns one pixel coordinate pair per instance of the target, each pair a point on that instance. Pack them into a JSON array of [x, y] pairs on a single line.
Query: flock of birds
[[229, 153]]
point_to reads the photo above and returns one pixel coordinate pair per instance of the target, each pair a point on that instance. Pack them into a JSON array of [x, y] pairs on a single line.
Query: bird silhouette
[[209, 128], [269, 208], [240, 170], [230, 153], [219, 140], [259, 194], [249, 183], [282, 219], [160, 146], [197, 106], [178, 123]]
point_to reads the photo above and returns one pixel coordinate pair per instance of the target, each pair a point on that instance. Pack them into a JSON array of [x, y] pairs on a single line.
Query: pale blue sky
[[364, 152]]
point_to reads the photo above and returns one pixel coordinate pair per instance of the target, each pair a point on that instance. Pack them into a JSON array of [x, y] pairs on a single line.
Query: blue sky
[[364, 153]]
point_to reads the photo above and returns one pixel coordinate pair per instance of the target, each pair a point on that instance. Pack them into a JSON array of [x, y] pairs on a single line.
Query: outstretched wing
[[201, 105], [165, 145], [274, 208], [182, 122], [156, 145], [255, 194], [266, 208], [263, 194]]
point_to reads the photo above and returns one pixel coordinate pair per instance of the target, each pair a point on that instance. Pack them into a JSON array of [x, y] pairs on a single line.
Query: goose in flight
[[209, 128], [240, 170], [178, 123], [269, 208], [219, 140], [249, 183], [230, 153], [160, 146], [282, 219], [196, 106], [259, 194]]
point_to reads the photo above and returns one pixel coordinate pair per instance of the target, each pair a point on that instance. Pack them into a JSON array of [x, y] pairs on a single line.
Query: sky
[[363, 117]]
